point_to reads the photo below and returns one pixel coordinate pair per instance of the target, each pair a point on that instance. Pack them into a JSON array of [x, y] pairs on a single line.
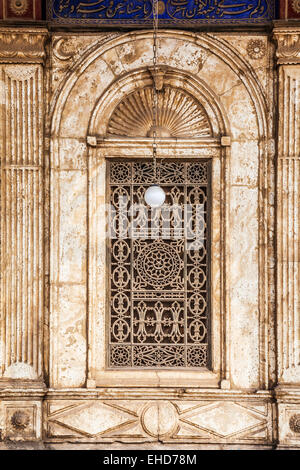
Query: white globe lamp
[[155, 196]]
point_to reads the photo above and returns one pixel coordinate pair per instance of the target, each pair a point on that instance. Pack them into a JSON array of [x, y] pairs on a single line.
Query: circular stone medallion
[[159, 419], [295, 423], [296, 6], [18, 7]]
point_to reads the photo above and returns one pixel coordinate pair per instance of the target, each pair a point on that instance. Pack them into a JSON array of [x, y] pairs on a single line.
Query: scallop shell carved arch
[[179, 115]]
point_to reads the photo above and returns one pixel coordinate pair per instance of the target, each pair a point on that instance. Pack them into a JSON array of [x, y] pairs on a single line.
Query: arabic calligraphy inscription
[[139, 11]]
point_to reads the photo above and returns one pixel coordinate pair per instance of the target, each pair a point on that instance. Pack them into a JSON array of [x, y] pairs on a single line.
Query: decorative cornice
[[288, 45], [22, 45]]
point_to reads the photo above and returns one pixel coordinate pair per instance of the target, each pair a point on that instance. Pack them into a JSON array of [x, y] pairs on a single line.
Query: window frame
[[98, 373]]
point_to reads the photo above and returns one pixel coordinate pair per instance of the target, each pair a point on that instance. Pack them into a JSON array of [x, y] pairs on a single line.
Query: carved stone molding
[[66, 48], [22, 420], [288, 412], [22, 45], [171, 421], [288, 45], [138, 415]]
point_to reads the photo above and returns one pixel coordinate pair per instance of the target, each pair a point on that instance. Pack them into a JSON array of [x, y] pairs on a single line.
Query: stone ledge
[[9, 445]]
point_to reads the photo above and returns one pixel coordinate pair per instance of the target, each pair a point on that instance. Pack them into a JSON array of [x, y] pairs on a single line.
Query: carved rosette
[[20, 420], [295, 423], [296, 6], [22, 45], [256, 49], [19, 7]]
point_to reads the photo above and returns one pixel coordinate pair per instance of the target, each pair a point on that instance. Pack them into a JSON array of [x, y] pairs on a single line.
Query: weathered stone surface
[[54, 292]]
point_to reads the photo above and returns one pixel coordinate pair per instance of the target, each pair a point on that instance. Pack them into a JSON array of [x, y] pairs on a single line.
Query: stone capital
[[22, 45], [287, 39]]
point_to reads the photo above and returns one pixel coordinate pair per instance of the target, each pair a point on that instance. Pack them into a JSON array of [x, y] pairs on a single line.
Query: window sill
[[150, 378]]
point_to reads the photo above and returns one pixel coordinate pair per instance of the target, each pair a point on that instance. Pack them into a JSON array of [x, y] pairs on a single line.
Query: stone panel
[[169, 421], [20, 420]]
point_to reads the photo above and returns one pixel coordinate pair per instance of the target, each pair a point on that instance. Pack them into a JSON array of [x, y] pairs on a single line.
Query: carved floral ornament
[[256, 49], [296, 5], [20, 420], [19, 7], [295, 423]]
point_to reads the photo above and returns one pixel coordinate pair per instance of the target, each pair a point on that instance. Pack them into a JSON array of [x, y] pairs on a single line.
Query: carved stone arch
[[217, 46], [204, 115]]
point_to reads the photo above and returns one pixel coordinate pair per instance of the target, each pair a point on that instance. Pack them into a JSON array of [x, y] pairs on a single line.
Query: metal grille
[[159, 266]]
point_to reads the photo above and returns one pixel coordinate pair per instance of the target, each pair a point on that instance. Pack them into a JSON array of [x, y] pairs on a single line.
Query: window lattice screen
[[159, 266]]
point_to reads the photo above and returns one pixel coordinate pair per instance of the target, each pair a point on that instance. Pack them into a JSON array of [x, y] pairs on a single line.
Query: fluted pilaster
[[288, 211], [22, 270]]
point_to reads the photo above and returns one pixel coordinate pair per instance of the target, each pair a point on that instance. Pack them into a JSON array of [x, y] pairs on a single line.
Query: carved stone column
[[288, 231], [22, 207]]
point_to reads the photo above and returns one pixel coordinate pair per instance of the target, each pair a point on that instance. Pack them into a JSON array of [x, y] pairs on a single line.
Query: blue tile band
[[171, 12]]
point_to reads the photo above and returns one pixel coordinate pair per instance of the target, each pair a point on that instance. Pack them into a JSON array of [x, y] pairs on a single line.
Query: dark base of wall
[[10, 445]]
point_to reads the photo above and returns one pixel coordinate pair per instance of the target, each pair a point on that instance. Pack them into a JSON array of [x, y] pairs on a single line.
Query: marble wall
[[58, 91]]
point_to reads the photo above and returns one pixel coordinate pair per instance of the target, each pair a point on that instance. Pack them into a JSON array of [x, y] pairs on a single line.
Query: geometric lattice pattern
[[159, 270]]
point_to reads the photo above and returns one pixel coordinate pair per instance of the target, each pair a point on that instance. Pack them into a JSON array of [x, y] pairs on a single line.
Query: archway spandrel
[[213, 73], [241, 113], [81, 99], [258, 51], [182, 54], [131, 55]]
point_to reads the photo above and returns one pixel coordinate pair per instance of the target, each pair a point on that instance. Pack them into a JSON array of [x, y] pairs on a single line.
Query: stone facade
[[58, 92]]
